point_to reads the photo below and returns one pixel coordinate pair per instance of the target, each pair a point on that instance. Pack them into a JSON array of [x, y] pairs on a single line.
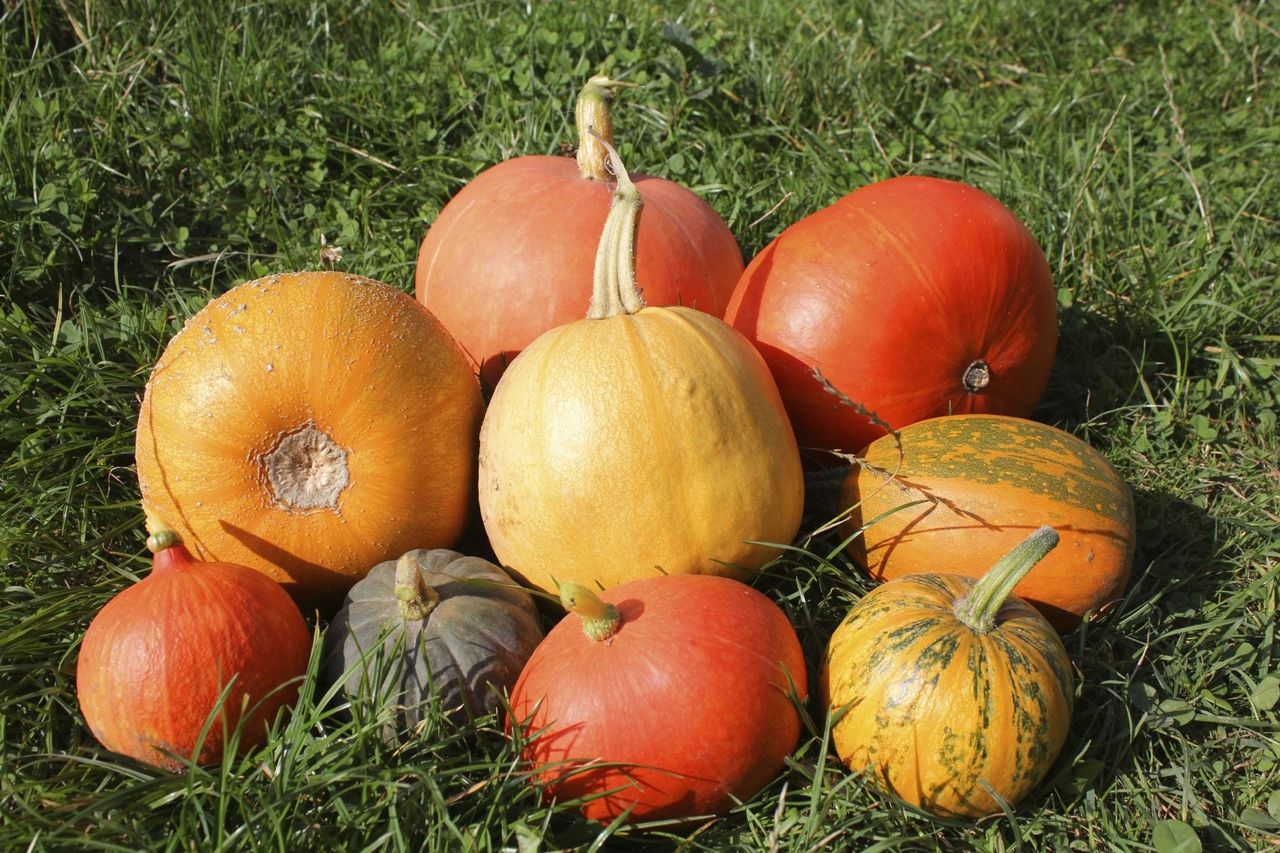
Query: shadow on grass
[[1139, 699]]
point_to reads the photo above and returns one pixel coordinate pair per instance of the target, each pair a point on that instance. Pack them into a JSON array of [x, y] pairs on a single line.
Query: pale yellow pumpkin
[[636, 442], [310, 425]]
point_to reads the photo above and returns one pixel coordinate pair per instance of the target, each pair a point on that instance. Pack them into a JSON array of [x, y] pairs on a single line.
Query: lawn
[[152, 155]]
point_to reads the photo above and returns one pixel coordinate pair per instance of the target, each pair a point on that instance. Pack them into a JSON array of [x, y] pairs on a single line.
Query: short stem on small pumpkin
[[417, 598], [591, 115], [162, 538], [600, 620], [978, 607], [614, 290]]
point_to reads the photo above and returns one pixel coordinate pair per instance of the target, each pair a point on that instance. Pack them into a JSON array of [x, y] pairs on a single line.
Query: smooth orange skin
[[156, 659], [988, 481], [892, 292], [691, 699], [363, 362], [512, 255]]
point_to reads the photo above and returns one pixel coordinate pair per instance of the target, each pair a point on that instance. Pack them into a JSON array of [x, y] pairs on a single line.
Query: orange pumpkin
[[978, 484], [311, 425], [512, 254], [190, 640]]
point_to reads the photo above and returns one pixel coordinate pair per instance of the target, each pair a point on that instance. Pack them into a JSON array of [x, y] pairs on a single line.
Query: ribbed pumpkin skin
[[989, 480], [156, 659], [936, 709], [690, 700], [635, 446], [355, 359], [892, 292], [471, 646], [483, 266]]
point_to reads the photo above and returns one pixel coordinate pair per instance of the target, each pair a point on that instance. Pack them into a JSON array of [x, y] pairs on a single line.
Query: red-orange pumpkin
[[162, 654], [664, 698], [483, 268], [914, 297]]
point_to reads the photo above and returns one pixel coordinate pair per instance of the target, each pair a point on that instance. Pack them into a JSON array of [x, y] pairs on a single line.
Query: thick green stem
[[600, 620], [417, 598], [591, 114], [614, 290], [978, 607]]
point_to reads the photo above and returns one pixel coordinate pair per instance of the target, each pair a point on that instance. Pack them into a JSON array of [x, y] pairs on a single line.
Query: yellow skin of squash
[[932, 710], [637, 442], [638, 445]]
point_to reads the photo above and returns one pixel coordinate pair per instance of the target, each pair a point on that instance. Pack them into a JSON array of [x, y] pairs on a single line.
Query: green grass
[[154, 154]]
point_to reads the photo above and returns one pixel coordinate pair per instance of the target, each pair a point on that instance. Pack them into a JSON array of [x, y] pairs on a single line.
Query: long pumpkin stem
[[614, 290], [417, 598], [600, 620], [591, 115], [979, 606]]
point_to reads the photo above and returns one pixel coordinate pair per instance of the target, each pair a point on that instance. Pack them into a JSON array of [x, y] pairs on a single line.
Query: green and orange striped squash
[[965, 489], [951, 693]]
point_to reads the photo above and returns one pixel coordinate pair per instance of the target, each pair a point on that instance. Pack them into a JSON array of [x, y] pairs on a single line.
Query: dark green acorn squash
[[432, 623]]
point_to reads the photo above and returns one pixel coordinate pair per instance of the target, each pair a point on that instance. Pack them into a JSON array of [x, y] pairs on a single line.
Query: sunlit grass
[[156, 154]]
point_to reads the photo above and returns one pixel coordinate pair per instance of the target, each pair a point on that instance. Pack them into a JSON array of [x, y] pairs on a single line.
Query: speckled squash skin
[[934, 711], [985, 482], [467, 650], [156, 659], [309, 425]]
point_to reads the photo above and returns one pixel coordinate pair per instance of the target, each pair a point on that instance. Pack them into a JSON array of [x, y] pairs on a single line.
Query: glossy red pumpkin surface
[[689, 703], [914, 297], [512, 255], [156, 660]]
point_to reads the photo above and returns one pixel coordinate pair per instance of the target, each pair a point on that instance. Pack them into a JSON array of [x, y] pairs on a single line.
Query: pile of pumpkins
[[316, 441]]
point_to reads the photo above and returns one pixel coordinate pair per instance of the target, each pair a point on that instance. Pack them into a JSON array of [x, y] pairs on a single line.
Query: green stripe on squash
[[986, 481]]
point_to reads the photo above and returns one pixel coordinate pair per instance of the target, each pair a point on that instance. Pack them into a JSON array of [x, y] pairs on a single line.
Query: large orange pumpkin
[[311, 425], [978, 484], [913, 297], [483, 266], [640, 441]]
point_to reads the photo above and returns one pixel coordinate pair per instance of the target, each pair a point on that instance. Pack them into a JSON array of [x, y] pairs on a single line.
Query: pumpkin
[[949, 692], [432, 625], [309, 425], [981, 482], [913, 297], [663, 698], [173, 665], [512, 254], [637, 442]]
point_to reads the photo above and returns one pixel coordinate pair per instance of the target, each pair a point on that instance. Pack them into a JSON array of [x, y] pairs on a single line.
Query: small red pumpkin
[[483, 266], [914, 297], [664, 698], [159, 657]]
